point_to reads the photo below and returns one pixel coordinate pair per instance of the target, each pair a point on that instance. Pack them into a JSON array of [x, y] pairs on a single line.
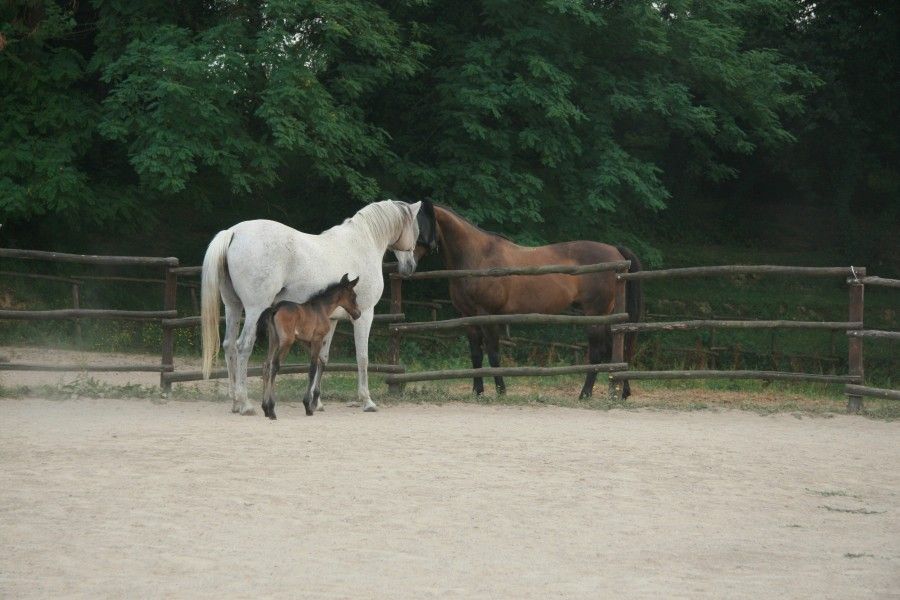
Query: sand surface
[[135, 499]]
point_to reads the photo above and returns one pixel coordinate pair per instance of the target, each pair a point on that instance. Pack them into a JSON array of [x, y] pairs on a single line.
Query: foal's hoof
[[272, 416]]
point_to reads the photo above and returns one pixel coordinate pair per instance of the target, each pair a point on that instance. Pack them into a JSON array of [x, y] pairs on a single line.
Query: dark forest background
[[144, 127]]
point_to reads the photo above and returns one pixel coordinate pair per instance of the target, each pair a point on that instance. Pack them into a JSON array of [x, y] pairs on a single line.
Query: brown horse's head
[[428, 236], [346, 296]]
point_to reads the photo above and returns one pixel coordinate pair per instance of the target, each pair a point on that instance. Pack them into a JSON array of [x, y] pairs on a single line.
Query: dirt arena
[[135, 498]]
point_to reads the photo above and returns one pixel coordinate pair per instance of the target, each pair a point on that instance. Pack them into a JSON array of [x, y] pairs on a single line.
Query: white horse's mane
[[380, 220]]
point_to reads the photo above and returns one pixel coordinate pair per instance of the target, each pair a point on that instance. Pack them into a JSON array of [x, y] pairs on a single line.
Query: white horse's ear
[[414, 208]]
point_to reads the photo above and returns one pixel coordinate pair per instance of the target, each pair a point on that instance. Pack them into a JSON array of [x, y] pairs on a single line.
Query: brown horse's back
[[549, 294]]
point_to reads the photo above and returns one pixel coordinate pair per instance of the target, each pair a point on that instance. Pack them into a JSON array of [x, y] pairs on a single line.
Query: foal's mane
[[321, 296]]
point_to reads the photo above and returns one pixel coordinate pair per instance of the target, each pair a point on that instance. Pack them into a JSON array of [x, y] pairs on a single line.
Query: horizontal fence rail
[[734, 324], [526, 319], [284, 369], [879, 281], [90, 259], [744, 270], [87, 313], [875, 333], [503, 372], [710, 374], [388, 267], [86, 368], [621, 265], [872, 392], [195, 320]]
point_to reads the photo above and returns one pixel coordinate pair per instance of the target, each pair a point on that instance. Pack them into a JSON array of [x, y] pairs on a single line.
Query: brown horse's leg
[[599, 349], [492, 345], [475, 339], [630, 347]]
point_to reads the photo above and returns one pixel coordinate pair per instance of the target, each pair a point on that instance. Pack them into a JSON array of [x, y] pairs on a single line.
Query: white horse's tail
[[212, 274]]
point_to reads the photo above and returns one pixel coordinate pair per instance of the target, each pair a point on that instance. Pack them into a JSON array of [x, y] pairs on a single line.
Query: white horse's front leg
[[323, 361], [361, 328]]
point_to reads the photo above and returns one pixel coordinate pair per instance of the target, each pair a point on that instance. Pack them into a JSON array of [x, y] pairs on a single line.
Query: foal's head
[[345, 296]]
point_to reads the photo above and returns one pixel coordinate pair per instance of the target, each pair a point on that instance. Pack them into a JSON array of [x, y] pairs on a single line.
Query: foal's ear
[[354, 282], [345, 279]]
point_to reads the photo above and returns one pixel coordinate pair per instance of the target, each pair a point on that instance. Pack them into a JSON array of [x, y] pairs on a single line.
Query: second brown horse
[[463, 245]]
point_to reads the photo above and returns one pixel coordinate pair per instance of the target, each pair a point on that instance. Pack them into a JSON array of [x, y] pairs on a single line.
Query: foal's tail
[[212, 274], [264, 323], [634, 299]]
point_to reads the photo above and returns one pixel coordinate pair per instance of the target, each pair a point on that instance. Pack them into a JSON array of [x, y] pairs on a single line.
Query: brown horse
[[288, 322], [466, 246]]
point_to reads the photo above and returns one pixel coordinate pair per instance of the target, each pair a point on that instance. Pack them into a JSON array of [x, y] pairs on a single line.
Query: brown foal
[[464, 245], [288, 322]]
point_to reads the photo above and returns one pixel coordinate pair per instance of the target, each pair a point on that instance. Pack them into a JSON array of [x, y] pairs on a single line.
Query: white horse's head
[[405, 245]]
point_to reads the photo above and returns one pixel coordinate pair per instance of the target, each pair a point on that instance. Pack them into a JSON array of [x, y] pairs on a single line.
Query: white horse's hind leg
[[323, 359], [229, 346], [244, 349], [361, 328]]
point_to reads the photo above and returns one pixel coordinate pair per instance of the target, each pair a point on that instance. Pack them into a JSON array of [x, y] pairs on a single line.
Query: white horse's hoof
[[247, 410], [370, 407], [320, 407]]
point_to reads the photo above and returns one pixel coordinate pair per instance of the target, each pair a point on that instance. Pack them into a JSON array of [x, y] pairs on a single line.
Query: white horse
[[258, 263]]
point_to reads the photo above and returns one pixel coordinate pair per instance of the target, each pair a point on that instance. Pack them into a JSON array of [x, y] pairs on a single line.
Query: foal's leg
[[323, 361], [244, 349], [315, 373], [492, 345], [599, 349], [473, 332], [361, 328], [270, 369]]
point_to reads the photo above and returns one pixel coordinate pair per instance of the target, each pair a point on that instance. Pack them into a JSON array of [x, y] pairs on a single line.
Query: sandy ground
[[131, 498]]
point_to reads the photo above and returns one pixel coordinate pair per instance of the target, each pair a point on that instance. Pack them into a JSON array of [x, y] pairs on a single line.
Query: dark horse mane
[[320, 296], [456, 214]]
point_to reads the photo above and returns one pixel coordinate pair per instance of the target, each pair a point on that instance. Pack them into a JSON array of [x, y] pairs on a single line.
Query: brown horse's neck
[[461, 243]]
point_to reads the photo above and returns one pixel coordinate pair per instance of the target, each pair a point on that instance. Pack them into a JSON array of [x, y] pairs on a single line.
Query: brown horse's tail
[[634, 300]]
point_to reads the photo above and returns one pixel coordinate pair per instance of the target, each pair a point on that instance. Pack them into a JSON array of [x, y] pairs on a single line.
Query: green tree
[[551, 119]]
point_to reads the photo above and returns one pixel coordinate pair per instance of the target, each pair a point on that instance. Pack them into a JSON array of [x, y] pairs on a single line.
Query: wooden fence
[[169, 310], [619, 315], [395, 374], [855, 277], [855, 390]]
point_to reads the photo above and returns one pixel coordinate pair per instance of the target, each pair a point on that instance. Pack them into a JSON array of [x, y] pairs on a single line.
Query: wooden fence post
[[855, 344], [394, 343], [618, 342], [168, 333], [76, 304]]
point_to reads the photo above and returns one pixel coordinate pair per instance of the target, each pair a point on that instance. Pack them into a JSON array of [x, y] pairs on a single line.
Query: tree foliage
[[550, 119]]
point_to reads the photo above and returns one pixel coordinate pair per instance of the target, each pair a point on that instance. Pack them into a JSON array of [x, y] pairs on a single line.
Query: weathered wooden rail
[[854, 390], [396, 381], [77, 313], [854, 278], [395, 374]]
